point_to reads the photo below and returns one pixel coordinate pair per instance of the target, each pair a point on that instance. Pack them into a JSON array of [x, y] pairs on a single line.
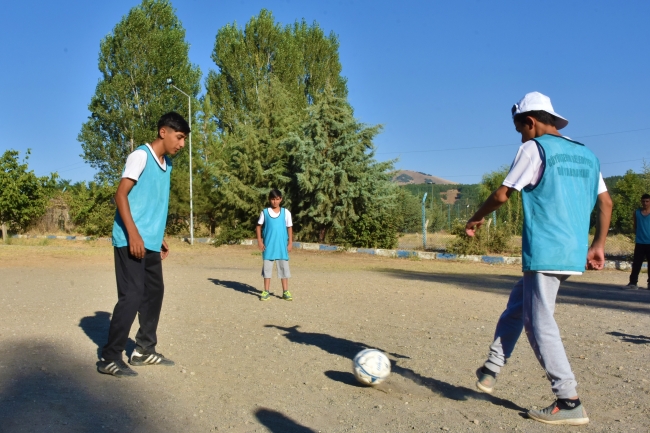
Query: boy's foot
[[286, 295], [139, 359], [631, 287], [265, 296], [485, 381], [555, 415], [116, 368]]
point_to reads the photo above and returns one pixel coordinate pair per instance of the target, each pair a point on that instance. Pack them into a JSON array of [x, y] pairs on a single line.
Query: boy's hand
[[290, 246], [164, 250], [136, 245], [595, 258], [472, 226], [260, 245]]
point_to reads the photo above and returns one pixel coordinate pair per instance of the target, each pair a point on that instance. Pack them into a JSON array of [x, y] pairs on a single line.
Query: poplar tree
[[145, 48]]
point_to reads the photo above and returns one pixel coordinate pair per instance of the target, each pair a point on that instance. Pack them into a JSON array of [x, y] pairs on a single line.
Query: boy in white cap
[[560, 183]]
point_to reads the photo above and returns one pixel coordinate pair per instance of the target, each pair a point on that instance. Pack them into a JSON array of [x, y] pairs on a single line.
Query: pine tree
[[336, 178], [145, 48]]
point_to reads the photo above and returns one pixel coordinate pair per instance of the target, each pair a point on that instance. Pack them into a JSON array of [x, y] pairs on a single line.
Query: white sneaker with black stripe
[[116, 368], [139, 359]]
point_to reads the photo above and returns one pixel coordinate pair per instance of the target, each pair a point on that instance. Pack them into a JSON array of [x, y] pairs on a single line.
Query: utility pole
[[424, 225]]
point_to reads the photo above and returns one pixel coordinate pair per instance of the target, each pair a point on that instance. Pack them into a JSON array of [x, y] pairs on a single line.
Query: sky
[[440, 77]]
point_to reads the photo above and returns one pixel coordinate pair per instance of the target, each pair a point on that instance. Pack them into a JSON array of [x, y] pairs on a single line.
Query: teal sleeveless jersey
[[276, 238], [557, 209], [642, 228], [148, 201]]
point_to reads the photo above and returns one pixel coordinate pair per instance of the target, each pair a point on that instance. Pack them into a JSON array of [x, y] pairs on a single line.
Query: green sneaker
[[555, 415], [286, 295], [485, 382], [265, 296]]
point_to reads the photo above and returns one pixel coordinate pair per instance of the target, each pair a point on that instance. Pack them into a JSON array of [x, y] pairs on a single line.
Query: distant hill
[[408, 177]]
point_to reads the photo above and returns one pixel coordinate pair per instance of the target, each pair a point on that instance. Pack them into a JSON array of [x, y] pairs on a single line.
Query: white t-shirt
[[136, 162], [527, 169], [287, 217]]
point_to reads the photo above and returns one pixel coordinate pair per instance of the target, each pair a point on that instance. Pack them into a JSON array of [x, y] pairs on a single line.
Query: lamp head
[[170, 81]]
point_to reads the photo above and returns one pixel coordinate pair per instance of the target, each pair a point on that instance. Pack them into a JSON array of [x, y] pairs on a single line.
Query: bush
[[231, 234], [487, 240], [92, 208]]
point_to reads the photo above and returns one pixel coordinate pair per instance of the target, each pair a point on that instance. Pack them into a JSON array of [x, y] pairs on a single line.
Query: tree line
[[273, 113]]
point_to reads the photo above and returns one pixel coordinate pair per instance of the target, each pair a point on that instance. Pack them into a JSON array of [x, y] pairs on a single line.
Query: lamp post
[[170, 82]]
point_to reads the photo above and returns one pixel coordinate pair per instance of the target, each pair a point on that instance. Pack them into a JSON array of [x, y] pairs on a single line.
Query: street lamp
[[170, 82]]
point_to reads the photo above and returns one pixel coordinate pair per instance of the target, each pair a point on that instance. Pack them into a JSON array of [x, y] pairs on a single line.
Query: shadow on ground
[[46, 391], [96, 328], [629, 338], [277, 422], [346, 348], [571, 291], [237, 286]]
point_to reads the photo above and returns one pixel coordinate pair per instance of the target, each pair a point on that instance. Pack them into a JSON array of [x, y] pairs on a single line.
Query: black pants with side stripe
[[641, 254], [140, 290]]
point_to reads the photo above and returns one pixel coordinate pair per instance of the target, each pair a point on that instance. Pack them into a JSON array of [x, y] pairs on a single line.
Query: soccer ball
[[371, 367]]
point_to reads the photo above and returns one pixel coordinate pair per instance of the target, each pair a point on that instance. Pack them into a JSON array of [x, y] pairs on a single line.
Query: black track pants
[[641, 254], [140, 290]]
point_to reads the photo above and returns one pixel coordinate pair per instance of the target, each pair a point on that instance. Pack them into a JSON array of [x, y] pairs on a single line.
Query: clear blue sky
[[438, 75]]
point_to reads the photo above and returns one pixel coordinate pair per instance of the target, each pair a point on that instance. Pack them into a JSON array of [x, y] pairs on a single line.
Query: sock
[[567, 404], [486, 370]]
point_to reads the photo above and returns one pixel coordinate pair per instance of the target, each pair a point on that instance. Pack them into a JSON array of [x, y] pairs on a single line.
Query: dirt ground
[[248, 366]]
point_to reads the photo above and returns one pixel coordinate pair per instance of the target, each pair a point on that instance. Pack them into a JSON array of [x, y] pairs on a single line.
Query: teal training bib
[[276, 238], [149, 202], [558, 208], [642, 228]]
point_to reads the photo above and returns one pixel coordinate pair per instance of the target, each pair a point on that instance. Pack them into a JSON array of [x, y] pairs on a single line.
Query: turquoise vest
[[557, 209], [642, 228], [275, 237], [149, 201]]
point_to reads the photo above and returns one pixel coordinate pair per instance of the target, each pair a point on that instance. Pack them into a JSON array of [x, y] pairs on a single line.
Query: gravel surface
[[248, 366]]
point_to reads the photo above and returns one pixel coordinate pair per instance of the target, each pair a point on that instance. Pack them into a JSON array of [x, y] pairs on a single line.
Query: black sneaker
[[116, 368], [154, 358]]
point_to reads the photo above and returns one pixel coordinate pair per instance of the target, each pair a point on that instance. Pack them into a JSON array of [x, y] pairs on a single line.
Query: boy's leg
[[646, 255], [149, 309], [284, 274], [540, 291], [130, 277], [267, 273], [637, 262], [508, 330]]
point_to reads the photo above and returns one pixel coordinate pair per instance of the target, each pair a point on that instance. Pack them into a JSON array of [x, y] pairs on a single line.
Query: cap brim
[[560, 122]]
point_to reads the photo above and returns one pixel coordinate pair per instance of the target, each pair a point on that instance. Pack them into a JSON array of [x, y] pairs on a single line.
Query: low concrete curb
[[401, 254]]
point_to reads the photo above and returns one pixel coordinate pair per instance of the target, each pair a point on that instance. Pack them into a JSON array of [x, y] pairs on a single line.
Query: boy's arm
[[290, 233], [260, 242], [596, 253], [136, 245], [164, 250], [634, 221], [493, 202]]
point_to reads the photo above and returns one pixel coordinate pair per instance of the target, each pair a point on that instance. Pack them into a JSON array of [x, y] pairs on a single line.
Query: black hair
[[539, 115], [174, 121], [645, 196], [275, 193]]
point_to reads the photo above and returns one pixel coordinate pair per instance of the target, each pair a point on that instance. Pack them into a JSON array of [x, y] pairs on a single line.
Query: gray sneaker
[[630, 287], [555, 415], [485, 382]]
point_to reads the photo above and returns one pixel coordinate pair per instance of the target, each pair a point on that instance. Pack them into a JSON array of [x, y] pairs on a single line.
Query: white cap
[[535, 101]]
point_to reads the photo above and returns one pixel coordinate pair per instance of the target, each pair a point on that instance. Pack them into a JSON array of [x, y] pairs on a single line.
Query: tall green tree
[[145, 48], [336, 178], [23, 195]]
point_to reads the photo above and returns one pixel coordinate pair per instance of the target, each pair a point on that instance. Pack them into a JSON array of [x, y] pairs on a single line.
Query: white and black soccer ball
[[371, 366]]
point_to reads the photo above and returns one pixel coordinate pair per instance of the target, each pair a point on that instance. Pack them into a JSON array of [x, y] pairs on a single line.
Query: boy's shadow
[[277, 422], [239, 287], [629, 338], [346, 348], [96, 328]]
